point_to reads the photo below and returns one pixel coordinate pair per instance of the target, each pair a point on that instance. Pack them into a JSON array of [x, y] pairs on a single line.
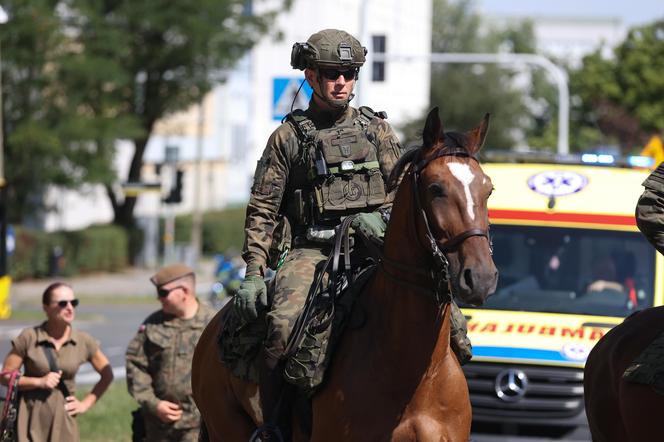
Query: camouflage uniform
[[280, 172], [159, 368], [650, 209]]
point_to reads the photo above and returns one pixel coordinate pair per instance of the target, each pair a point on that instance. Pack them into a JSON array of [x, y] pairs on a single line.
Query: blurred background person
[[51, 354], [159, 358]]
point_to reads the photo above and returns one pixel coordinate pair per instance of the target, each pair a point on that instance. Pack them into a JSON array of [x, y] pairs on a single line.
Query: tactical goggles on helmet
[[333, 74]]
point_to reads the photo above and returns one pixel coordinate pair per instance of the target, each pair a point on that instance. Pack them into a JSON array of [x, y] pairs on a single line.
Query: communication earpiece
[[300, 53]]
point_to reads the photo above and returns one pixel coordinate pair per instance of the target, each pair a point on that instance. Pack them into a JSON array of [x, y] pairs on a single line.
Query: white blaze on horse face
[[463, 173]]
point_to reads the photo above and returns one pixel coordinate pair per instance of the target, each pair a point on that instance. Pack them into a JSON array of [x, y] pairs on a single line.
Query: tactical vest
[[343, 175]]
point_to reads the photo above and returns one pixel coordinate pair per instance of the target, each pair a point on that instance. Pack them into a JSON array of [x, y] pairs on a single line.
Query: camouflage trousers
[[292, 284]]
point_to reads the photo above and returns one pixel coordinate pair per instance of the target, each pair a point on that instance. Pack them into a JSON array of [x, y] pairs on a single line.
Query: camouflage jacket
[[281, 171], [650, 209], [158, 363]]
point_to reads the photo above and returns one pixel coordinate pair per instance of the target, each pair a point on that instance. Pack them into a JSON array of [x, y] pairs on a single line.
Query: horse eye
[[436, 190]]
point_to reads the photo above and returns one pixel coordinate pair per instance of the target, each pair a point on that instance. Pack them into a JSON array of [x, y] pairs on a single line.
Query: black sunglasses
[[63, 303], [162, 293], [333, 74]]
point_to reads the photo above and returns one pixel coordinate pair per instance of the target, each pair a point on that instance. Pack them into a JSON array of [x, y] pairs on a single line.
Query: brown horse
[[619, 410], [395, 378]]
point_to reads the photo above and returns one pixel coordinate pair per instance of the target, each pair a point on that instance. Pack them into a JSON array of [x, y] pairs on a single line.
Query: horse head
[[448, 194]]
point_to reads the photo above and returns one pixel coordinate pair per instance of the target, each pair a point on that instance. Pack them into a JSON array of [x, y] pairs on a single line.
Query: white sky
[[632, 12]]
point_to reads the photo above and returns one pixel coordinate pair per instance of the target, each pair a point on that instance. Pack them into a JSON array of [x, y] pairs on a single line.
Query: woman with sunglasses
[[51, 354]]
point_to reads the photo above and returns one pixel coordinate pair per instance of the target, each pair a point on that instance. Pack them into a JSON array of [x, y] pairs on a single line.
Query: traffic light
[[175, 195]]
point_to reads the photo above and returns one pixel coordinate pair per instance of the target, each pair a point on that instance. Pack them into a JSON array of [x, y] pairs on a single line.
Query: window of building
[[379, 45]]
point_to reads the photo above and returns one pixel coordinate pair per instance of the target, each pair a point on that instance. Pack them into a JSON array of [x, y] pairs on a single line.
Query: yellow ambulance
[[572, 265]]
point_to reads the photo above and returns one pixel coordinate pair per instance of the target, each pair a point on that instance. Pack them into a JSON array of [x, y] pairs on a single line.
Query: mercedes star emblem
[[511, 385]]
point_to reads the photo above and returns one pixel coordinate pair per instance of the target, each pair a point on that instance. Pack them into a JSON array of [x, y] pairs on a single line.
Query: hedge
[[222, 230], [97, 248], [107, 247]]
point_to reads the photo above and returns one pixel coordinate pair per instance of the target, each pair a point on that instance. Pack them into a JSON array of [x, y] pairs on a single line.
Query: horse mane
[[450, 139], [406, 159]]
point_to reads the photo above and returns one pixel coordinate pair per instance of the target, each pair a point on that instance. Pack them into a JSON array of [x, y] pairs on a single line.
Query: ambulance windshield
[[566, 270]]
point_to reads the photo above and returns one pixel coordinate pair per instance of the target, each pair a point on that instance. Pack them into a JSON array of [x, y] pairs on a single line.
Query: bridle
[[439, 271]]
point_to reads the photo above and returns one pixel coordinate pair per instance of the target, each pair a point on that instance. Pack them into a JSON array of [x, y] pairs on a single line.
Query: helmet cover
[[328, 48]]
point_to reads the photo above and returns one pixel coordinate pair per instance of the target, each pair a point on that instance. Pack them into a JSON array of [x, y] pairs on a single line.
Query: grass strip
[[110, 418]]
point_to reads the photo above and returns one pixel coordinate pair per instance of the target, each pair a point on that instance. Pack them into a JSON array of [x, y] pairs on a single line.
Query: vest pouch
[[332, 192], [352, 180], [376, 194], [345, 144], [357, 191]]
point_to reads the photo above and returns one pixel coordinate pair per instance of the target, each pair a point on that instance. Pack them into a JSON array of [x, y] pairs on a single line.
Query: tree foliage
[[621, 95], [466, 92], [84, 73]]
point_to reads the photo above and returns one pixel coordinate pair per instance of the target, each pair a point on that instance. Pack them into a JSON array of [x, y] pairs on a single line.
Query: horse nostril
[[468, 278]]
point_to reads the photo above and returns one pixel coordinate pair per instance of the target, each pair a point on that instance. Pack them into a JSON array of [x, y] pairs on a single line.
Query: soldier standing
[[159, 358]]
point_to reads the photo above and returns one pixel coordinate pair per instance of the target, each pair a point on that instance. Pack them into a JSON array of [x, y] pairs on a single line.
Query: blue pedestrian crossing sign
[[284, 90]]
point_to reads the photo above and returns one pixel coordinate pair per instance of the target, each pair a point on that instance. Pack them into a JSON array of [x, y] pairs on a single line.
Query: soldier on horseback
[[320, 166]]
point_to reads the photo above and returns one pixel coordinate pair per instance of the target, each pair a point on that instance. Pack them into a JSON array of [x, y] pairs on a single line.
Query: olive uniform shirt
[[158, 362], [41, 413], [281, 170], [650, 209]]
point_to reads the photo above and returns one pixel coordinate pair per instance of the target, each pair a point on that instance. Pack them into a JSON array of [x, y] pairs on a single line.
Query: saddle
[[320, 325]]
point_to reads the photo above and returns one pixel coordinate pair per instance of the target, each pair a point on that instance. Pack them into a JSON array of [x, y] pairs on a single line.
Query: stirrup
[[267, 433]]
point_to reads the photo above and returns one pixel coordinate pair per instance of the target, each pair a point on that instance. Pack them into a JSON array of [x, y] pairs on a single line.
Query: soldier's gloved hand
[[250, 297], [370, 225]]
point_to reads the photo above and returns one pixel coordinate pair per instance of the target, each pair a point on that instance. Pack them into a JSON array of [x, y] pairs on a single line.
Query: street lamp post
[[506, 58]]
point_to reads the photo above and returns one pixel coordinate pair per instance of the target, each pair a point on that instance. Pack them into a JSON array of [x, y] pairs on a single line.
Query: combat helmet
[[331, 48]]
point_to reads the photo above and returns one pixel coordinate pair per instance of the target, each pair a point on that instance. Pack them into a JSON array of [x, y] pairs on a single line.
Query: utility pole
[[556, 72], [197, 215]]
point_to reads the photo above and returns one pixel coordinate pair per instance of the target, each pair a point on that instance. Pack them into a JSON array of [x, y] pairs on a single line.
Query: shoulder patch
[[141, 328]]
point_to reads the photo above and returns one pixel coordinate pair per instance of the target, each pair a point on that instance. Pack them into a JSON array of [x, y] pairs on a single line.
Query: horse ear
[[433, 129], [478, 135]]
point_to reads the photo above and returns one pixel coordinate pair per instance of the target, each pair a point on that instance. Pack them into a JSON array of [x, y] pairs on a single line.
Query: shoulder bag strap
[[53, 366]]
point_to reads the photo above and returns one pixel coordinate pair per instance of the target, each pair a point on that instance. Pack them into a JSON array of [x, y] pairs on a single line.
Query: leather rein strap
[[439, 272]]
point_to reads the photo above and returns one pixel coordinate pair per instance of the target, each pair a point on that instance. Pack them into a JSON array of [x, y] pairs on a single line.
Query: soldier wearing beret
[[158, 358]]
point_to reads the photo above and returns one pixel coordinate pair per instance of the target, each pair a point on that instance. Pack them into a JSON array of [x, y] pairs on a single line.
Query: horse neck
[[401, 242], [409, 313]]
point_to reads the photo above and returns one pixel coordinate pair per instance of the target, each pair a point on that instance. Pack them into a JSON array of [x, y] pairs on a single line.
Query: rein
[[438, 274]]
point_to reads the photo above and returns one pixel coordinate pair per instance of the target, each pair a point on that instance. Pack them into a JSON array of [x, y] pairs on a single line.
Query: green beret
[[171, 273]]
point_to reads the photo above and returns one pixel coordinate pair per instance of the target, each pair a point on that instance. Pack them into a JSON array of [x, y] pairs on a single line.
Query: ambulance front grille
[[550, 392]]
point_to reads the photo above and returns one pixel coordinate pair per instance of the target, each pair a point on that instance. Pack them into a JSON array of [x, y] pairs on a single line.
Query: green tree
[[466, 92], [84, 73], [164, 54], [40, 132], [620, 97]]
